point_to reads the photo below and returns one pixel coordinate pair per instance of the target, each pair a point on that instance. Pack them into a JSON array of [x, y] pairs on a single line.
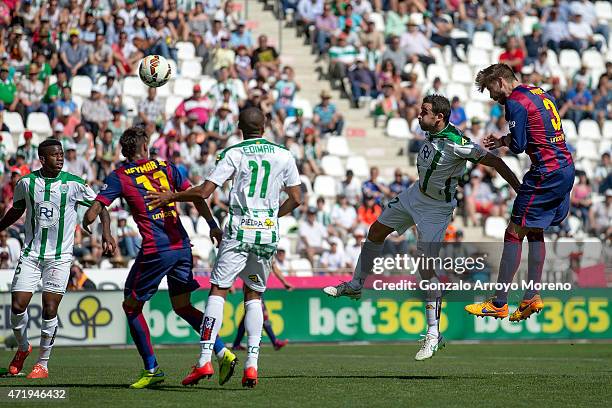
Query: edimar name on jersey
[[258, 149]]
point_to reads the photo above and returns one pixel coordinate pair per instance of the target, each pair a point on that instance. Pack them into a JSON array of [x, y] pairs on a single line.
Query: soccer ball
[[154, 71]]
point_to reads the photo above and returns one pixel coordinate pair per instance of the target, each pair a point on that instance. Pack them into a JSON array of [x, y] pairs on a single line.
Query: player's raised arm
[[158, 199], [502, 168]]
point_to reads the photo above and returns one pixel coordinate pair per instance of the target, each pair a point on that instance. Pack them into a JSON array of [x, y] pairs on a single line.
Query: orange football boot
[[527, 308], [249, 379], [198, 373], [38, 372], [17, 362]]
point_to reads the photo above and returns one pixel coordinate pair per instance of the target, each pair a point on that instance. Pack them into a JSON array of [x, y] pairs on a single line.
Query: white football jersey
[[51, 212], [260, 170]]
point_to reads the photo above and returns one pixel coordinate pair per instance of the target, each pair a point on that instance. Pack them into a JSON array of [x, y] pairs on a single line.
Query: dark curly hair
[[132, 140]]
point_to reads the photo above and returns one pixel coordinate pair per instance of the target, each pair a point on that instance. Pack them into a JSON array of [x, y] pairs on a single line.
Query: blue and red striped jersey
[[161, 228], [536, 129]]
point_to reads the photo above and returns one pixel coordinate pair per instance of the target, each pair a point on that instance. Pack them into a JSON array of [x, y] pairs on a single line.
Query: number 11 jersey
[[259, 171], [160, 228]]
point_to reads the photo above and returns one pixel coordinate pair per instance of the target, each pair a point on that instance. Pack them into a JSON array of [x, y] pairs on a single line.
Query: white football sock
[[253, 323], [369, 251], [432, 309], [213, 318], [221, 353], [19, 324], [47, 337]]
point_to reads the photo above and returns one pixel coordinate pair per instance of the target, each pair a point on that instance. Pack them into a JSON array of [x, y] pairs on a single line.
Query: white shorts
[[239, 260], [54, 274], [431, 217]]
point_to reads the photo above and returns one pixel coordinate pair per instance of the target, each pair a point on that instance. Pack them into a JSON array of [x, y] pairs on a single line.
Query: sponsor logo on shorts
[[207, 327], [47, 214], [254, 278]]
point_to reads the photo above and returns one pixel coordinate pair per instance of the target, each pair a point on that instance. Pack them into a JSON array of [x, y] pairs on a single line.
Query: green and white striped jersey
[[259, 170], [51, 214], [442, 161]]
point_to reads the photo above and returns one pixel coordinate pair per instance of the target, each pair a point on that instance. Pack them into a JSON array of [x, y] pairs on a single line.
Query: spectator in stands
[[479, 198], [197, 104], [395, 53], [102, 56], [265, 56], [580, 103], [350, 188], [84, 142], [353, 249], [242, 64], [472, 18], [190, 150], [76, 164], [534, 44], [416, 45], [28, 150], [307, 12], [281, 261], [31, 93], [107, 153], [600, 217], [126, 55], [443, 24], [221, 126], [312, 154], [343, 216], [150, 109], [129, 240], [602, 98], [582, 33], [436, 88], [8, 89], [586, 9], [241, 37], [542, 70], [75, 57], [513, 55], [373, 188], [66, 101], [9, 255], [363, 82], [387, 105], [399, 183], [286, 88], [371, 34], [581, 198], [332, 260], [8, 189], [341, 57], [323, 215], [326, 117], [410, 103], [312, 234], [557, 35], [476, 131], [458, 117], [604, 167], [326, 25], [397, 18], [95, 111], [167, 144], [78, 280], [369, 210]]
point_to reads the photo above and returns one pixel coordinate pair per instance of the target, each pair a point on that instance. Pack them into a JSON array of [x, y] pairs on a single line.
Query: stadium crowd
[[67, 71]]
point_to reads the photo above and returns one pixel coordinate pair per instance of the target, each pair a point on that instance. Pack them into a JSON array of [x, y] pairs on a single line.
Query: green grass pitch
[[461, 375]]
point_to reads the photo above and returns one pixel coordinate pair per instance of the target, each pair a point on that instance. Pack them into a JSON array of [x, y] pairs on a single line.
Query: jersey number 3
[[550, 106], [254, 175]]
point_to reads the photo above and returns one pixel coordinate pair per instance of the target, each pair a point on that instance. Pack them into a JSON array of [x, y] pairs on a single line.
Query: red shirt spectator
[[369, 211], [513, 56], [198, 104]]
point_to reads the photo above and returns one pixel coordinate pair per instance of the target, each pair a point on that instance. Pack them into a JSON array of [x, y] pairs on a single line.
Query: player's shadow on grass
[[391, 377]]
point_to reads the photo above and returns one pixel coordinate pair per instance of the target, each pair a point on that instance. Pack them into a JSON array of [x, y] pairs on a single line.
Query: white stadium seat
[[81, 85], [301, 267], [607, 129], [78, 101], [130, 105], [418, 70], [191, 69], [476, 95], [206, 83], [202, 246], [398, 128], [528, 22], [495, 227], [593, 60], [359, 165], [164, 91], [38, 122], [603, 9], [458, 90], [461, 73], [304, 105], [589, 129], [337, 145], [439, 71], [569, 60], [586, 149], [483, 40], [285, 224], [8, 142], [332, 166], [188, 225], [14, 122], [185, 50], [133, 86], [172, 103], [478, 56], [569, 128], [183, 87], [474, 109], [379, 21], [325, 186]]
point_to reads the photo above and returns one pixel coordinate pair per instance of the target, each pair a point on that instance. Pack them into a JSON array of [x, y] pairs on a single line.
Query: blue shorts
[[544, 200], [148, 271]]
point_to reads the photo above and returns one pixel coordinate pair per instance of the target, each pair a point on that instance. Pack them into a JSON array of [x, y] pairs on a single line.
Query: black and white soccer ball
[[154, 71]]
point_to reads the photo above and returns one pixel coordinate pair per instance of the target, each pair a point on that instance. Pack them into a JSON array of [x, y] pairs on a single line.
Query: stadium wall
[[96, 318]]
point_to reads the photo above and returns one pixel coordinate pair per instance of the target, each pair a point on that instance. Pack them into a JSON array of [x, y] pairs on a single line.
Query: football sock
[[141, 336], [535, 265], [19, 324], [213, 317], [239, 333], [48, 329], [432, 309], [253, 322], [369, 251], [195, 318], [510, 261]]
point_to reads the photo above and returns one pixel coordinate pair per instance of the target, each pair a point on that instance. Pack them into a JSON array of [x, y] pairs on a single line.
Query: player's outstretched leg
[[432, 341], [497, 306], [213, 317], [139, 330], [532, 302], [227, 360], [48, 329], [371, 249], [19, 324], [253, 323]]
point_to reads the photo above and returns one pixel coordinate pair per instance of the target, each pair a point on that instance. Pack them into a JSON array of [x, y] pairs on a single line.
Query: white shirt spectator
[[580, 30], [415, 43], [586, 10], [361, 7], [352, 191], [190, 154], [309, 9], [351, 254], [314, 233], [332, 260], [343, 216]]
